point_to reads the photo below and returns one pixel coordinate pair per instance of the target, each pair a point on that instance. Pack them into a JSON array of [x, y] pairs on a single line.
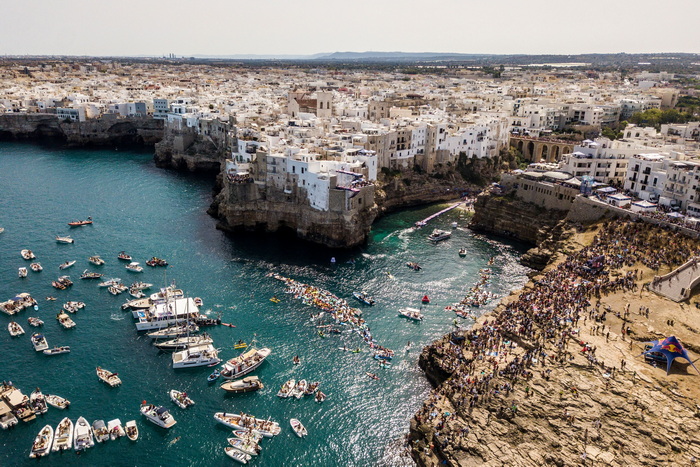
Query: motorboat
[[108, 377], [90, 275], [82, 435], [300, 389], [241, 421], [140, 303], [37, 401], [312, 388], [299, 429], [462, 252], [115, 429], [100, 431], [17, 304], [39, 342], [57, 350], [248, 435], [66, 265], [42, 443], [384, 354], [138, 285], [438, 235], [64, 320], [238, 456], [214, 376], [180, 398], [36, 267], [154, 262], [88, 221], [64, 239], [110, 282], [363, 297], [96, 260], [196, 355], [411, 313], [63, 435], [117, 289], [173, 331], [8, 420], [158, 415], [134, 267], [247, 384], [167, 294], [184, 342], [245, 363], [73, 306], [287, 389], [27, 254], [245, 446], [36, 322], [132, 431], [136, 293], [176, 311], [22, 272], [62, 283], [320, 397], [57, 402], [123, 256], [15, 329]]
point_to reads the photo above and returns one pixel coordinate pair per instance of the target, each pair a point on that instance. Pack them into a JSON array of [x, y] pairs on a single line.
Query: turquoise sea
[[152, 212]]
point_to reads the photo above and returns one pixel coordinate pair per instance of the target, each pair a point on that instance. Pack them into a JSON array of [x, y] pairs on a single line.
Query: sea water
[[148, 212]]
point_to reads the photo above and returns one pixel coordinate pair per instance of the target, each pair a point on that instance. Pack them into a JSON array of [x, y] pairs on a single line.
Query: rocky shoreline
[[564, 384]]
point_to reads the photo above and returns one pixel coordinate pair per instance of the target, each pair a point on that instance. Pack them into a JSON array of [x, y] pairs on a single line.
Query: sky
[[299, 27]]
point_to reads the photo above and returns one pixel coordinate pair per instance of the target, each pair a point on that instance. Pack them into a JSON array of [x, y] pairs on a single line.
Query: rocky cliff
[[107, 131], [188, 151], [412, 189]]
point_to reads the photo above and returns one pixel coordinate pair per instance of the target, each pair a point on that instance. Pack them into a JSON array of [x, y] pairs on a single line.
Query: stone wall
[[107, 131]]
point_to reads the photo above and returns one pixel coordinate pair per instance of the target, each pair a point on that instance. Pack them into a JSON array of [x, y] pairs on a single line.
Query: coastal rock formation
[[192, 151], [108, 131], [412, 189], [551, 392], [510, 217]]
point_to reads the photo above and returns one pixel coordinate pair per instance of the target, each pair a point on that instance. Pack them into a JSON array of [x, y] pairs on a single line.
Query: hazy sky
[[228, 27]]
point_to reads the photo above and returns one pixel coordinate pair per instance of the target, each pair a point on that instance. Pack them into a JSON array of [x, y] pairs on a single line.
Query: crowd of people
[[536, 329]]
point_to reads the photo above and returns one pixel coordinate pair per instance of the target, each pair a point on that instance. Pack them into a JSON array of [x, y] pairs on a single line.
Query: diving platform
[[420, 224]]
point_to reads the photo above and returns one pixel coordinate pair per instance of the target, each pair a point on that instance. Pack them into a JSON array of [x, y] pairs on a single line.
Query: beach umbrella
[[671, 348]]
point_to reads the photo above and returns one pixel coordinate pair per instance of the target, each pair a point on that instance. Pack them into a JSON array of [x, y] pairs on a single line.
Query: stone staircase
[[677, 284]]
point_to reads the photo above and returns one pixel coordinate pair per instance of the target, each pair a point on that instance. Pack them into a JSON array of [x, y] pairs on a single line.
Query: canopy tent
[[675, 215], [671, 348]]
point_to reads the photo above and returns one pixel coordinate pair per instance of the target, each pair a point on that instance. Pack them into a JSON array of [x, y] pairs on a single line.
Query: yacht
[[247, 384], [245, 363], [158, 415], [179, 330], [134, 267], [180, 343], [439, 235], [198, 355], [166, 313]]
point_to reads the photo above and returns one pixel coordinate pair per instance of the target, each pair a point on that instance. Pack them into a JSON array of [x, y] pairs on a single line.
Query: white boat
[[246, 446], [15, 329], [439, 235], [180, 398], [38, 402], [124, 256], [136, 293], [247, 384], [141, 285], [134, 267], [184, 342], [82, 435], [300, 389], [57, 402], [22, 272], [64, 239], [117, 289], [8, 419], [299, 429], [64, 320], [132, 431], [36, 322], [90, 275], [248, 435], [67, 264], [114, 427], [163, 314], [96, 260], [39, 342], [42, 443], [411, 313], [245, 363], [167, 294], [287, 389], [158, 415], [36, 267], [99, 429], [237, 455], [73, 306], [27, 254], [363, 297], [63, 435], [110, 282], [57, 350], [241, 421], [194, 356], [320, 397], [108, 377], [180, 330], [137, 304]]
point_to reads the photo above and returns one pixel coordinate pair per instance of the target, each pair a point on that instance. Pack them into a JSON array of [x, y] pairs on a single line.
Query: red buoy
[[425, 299]]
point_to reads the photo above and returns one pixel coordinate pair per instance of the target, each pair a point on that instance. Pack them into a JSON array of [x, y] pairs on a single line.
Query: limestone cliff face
[[507, 216], [188, 151], [106, 131], [253, 206], [412, 189]]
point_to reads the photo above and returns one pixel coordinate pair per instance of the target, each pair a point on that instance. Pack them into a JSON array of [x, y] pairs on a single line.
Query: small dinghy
[[299, 429], [42, 443], [57, 402], [108, 377], [214, 376], [99, 429], [132, 431], [249, 447], [237, 455], [15, 329], [180, 398], [36, 267], [22, 272], [27, 254], [57, 350], [36, 322]]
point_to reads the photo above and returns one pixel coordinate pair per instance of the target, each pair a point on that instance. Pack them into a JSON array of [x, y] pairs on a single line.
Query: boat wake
[[116, 317], [377, 256]]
